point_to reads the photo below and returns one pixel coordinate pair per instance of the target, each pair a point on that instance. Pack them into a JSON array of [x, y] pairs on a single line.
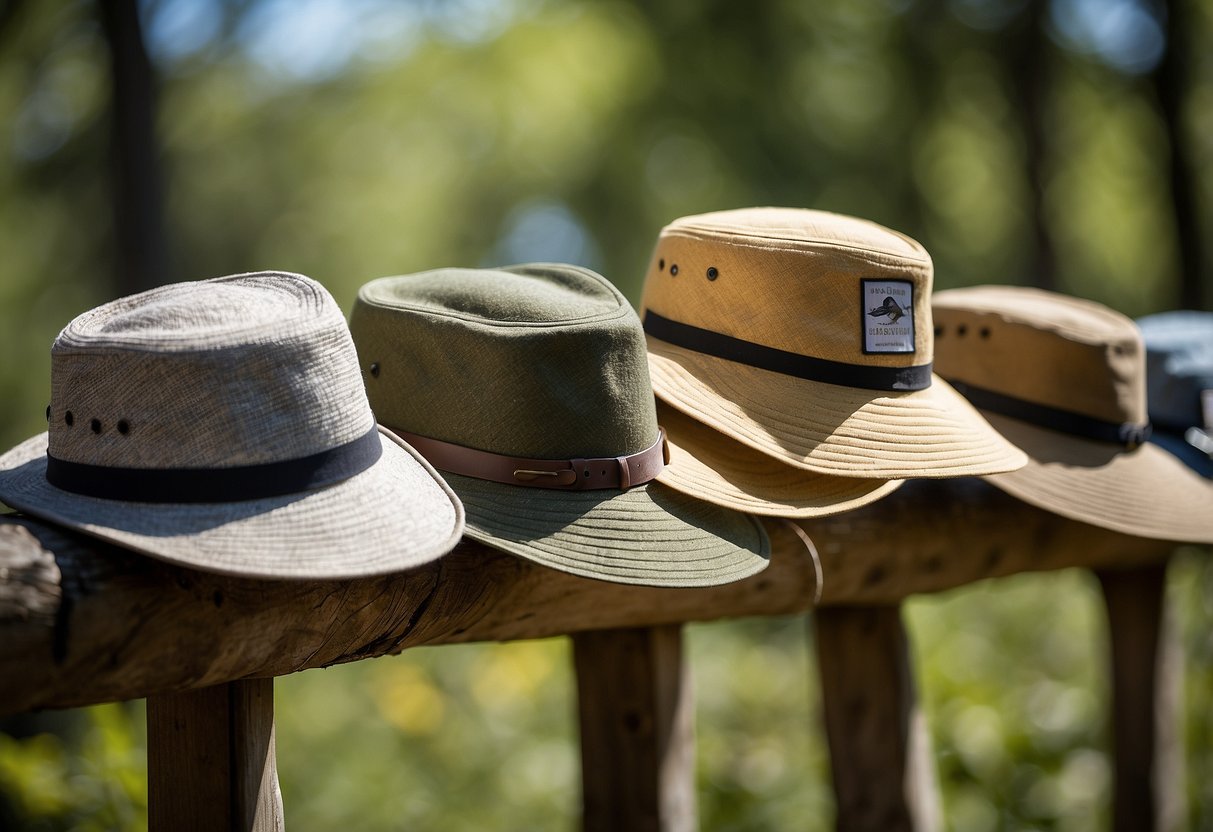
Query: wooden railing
[[83, 622]]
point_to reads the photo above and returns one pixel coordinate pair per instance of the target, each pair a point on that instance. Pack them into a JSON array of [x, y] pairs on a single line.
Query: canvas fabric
[[1076, 357], [706, 464], [810, 283], [543, 361]]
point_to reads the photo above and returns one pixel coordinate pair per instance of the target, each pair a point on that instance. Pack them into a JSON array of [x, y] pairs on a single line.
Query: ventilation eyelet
[[95, 424], [674, 270], [375, 370], [124, 427], [713, 273]]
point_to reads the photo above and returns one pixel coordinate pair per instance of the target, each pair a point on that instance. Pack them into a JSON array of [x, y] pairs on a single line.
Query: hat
[[1179, 385], [1064, 379], [807, 336], [223, 425], [705, 463], [528, 387]]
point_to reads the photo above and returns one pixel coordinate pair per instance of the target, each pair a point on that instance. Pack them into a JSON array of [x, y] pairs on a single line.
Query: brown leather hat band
[[622, 472]]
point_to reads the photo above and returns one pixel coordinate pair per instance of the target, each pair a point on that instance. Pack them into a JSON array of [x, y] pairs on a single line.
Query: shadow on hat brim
[[828, 428], [710, 466], [647, 535], [1145, 492], [395, 515]]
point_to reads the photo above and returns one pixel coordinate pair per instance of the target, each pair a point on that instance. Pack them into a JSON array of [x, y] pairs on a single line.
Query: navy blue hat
[[1179, 368]]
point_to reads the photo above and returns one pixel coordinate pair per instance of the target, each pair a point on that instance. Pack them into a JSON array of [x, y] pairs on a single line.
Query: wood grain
[[85, 622], [103, 624], [931, 536], [637, 730], [1143, 712], [870, 714], [210, 759]]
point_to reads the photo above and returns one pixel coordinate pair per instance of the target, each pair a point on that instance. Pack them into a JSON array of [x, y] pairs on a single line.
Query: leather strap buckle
[[622, 472], [565, 477]]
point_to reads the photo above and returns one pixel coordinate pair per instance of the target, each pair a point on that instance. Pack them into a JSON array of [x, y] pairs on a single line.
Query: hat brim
[[1145, 492], [709, 466], [647, 535], [395, 515], [828, 428]]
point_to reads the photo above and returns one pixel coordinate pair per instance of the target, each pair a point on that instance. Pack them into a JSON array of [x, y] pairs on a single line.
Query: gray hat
[[1179, 383], [223, 425]]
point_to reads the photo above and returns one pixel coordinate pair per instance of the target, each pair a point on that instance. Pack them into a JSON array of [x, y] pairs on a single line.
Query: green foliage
[[1012, 679], [494, 132], [92, 779]]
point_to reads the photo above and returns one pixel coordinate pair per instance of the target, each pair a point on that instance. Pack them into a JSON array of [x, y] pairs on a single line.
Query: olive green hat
[[529, 387]]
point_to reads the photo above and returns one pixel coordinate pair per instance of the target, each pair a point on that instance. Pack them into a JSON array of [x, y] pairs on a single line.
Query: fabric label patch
[[888, 315]]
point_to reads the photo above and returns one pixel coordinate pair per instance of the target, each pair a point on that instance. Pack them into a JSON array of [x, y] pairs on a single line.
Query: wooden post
[[876, 737], [1147, 792], [210, 759], [637, 730]]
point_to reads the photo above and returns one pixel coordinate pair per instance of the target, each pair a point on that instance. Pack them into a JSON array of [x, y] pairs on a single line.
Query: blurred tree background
[[1059, 143]]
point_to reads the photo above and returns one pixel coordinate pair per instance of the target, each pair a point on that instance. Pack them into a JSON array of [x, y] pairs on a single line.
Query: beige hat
[[1064, 379], [223, 425], [705, 463], [807, 336]]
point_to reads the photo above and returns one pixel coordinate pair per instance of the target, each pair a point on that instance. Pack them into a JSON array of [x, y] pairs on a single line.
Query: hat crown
[[1179, 367], [806, 282], [541, 360], [1044, 348], [236, 371]]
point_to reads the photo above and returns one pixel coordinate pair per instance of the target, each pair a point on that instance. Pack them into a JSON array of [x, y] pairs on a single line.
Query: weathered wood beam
[[637, 724], [210, 759], [931, 536], [871, 717], [1146, 794], [84, 622]]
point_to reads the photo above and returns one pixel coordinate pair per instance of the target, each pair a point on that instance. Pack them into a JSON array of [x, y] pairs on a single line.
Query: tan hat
[[807, 336], [705, 463], [223, 425], [1064, 379]]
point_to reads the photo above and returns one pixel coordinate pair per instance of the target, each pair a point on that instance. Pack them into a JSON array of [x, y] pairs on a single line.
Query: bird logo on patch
[[890, 308]]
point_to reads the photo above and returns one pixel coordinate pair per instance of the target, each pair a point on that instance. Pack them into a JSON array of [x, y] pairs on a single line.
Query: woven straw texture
[[545, 361], [791, 280], [243, 370], [1077, 356], [395, 515], [710, 466]]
